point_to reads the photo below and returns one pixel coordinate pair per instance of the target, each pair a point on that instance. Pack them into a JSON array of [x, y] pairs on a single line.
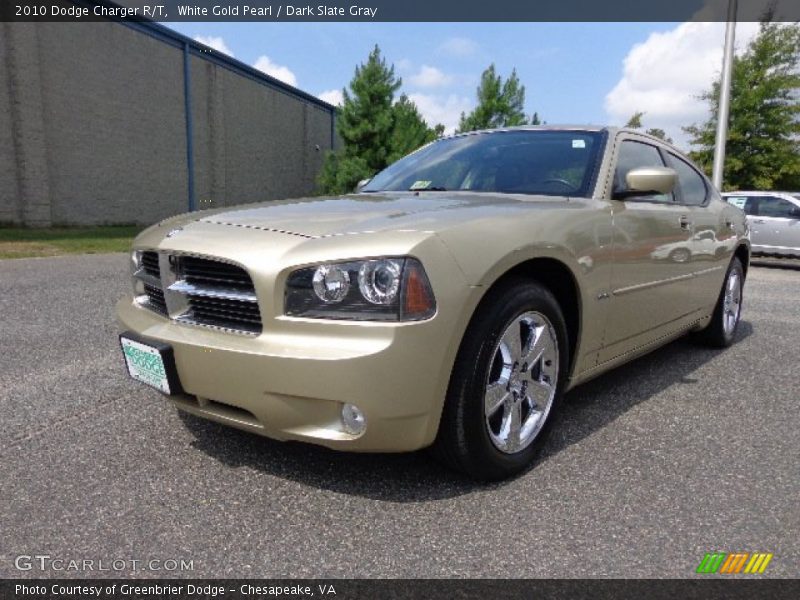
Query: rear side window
[[770, 206], [737, 201], [692, 184], [633, 155]]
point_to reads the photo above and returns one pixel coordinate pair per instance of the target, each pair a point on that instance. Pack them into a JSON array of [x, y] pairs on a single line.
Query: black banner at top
[[397, 10]]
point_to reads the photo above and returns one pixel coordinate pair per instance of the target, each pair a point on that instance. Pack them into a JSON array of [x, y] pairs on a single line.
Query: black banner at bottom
[[358, 589]]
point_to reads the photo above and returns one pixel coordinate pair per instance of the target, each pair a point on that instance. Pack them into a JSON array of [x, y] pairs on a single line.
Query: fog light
[[353, 420]]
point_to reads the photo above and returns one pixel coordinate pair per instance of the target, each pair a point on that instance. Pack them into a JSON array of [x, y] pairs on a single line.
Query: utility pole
[[724, 97]]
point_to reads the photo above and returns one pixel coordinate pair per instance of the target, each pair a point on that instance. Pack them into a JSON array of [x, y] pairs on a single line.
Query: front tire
[[509, 375], [721, 331]]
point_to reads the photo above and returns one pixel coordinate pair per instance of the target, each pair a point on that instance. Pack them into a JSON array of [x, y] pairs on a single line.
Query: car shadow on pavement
[[787, 264], [598, 402], [417, 477]]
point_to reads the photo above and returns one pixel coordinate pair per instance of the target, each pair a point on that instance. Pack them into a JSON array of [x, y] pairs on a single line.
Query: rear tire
[[509, 375], [721, 331]]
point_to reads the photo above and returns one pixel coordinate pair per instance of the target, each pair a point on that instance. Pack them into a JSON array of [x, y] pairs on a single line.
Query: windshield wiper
[[433, 188]]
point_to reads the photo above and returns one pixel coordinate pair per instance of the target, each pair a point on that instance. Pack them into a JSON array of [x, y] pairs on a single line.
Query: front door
[[652, 259]]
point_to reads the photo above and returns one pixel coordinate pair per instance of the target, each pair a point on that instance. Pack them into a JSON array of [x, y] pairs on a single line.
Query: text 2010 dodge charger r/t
[[449, 303]]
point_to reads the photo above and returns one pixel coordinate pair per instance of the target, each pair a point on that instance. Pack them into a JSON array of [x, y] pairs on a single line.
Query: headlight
[[382, 289], [379, 280], [331, 283]]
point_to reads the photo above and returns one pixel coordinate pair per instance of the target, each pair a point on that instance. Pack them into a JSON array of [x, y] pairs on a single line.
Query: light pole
[[724, 97]]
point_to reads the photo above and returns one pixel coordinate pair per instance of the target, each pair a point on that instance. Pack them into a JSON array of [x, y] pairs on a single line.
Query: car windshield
[[555, 163]]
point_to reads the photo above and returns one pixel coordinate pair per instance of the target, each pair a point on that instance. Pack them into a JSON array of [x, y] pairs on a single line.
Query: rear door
[[775, 227], [713, 242]]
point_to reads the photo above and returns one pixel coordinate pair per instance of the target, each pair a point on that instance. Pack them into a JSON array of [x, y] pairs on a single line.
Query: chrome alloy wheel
[[522, 381], [732, 303]]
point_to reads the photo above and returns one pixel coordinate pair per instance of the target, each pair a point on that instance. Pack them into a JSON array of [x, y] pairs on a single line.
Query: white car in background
[[774, 220]]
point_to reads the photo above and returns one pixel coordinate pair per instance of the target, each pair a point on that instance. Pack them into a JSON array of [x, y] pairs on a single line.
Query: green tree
[[410, 131], [763, 148], [374, 129], [659, 133], [500, 103], [364, 124], [635, 122]]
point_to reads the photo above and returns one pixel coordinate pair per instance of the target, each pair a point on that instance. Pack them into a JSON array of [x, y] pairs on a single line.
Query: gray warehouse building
[[130, 122]]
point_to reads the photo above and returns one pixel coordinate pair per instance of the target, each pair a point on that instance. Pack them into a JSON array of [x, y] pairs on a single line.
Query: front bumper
[[290, 382]]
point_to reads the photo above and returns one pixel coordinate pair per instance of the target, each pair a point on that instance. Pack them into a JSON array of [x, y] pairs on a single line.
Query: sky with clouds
[[573, 72]]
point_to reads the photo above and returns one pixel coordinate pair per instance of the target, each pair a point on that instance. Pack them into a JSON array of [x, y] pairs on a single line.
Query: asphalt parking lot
[[683, 452]]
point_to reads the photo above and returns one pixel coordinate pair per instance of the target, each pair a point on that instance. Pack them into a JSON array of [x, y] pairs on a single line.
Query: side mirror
[[363, 183], [648, 181]]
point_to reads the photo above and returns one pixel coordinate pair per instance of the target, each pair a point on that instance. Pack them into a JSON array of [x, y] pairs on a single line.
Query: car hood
[[368, 213]]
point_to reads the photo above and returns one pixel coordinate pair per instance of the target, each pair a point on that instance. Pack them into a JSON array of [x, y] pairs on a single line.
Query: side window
[[693, 187], [633, 155], [751, 208], [737, 201], [770, 206]]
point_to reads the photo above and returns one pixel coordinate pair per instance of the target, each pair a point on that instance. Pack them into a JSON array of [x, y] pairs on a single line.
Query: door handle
[[684, 222], [759, 221]]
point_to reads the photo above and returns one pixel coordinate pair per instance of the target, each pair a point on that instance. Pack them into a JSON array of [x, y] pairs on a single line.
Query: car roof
[[564, 127]]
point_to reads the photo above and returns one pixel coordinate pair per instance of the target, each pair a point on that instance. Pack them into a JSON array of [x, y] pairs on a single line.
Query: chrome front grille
[[223, 312], [150, 264], [155, 299], [202, 272], [199, 291]]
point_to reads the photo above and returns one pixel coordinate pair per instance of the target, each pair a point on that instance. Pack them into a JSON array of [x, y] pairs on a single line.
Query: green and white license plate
[[149, 364]]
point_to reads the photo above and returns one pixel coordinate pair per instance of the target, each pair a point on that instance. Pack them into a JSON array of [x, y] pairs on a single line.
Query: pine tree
[[410, 131], [374, 129], [635, 122], [500, 103], [659, 133]]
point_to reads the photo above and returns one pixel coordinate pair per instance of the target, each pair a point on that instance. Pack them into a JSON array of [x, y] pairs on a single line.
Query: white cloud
[[437, 109], [429, 77], [334, 97], [265, 64], [404, 65], [458, 47], [664, 76], [215, 42]]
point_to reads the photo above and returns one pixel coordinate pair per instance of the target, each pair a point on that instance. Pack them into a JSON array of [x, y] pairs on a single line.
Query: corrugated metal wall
[[93, 126]]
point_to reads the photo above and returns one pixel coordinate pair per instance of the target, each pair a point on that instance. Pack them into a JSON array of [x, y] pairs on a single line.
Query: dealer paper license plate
[[145, 364]]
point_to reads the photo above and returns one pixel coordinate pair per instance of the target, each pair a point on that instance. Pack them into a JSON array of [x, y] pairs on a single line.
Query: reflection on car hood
[[364, 213]]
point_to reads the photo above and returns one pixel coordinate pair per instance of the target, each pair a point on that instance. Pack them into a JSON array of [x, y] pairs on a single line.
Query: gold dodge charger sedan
[[449, 303]]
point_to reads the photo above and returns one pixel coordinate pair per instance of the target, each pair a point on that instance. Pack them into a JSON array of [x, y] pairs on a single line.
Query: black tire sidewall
[[714, 334], [474, 361], [727, 338]]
